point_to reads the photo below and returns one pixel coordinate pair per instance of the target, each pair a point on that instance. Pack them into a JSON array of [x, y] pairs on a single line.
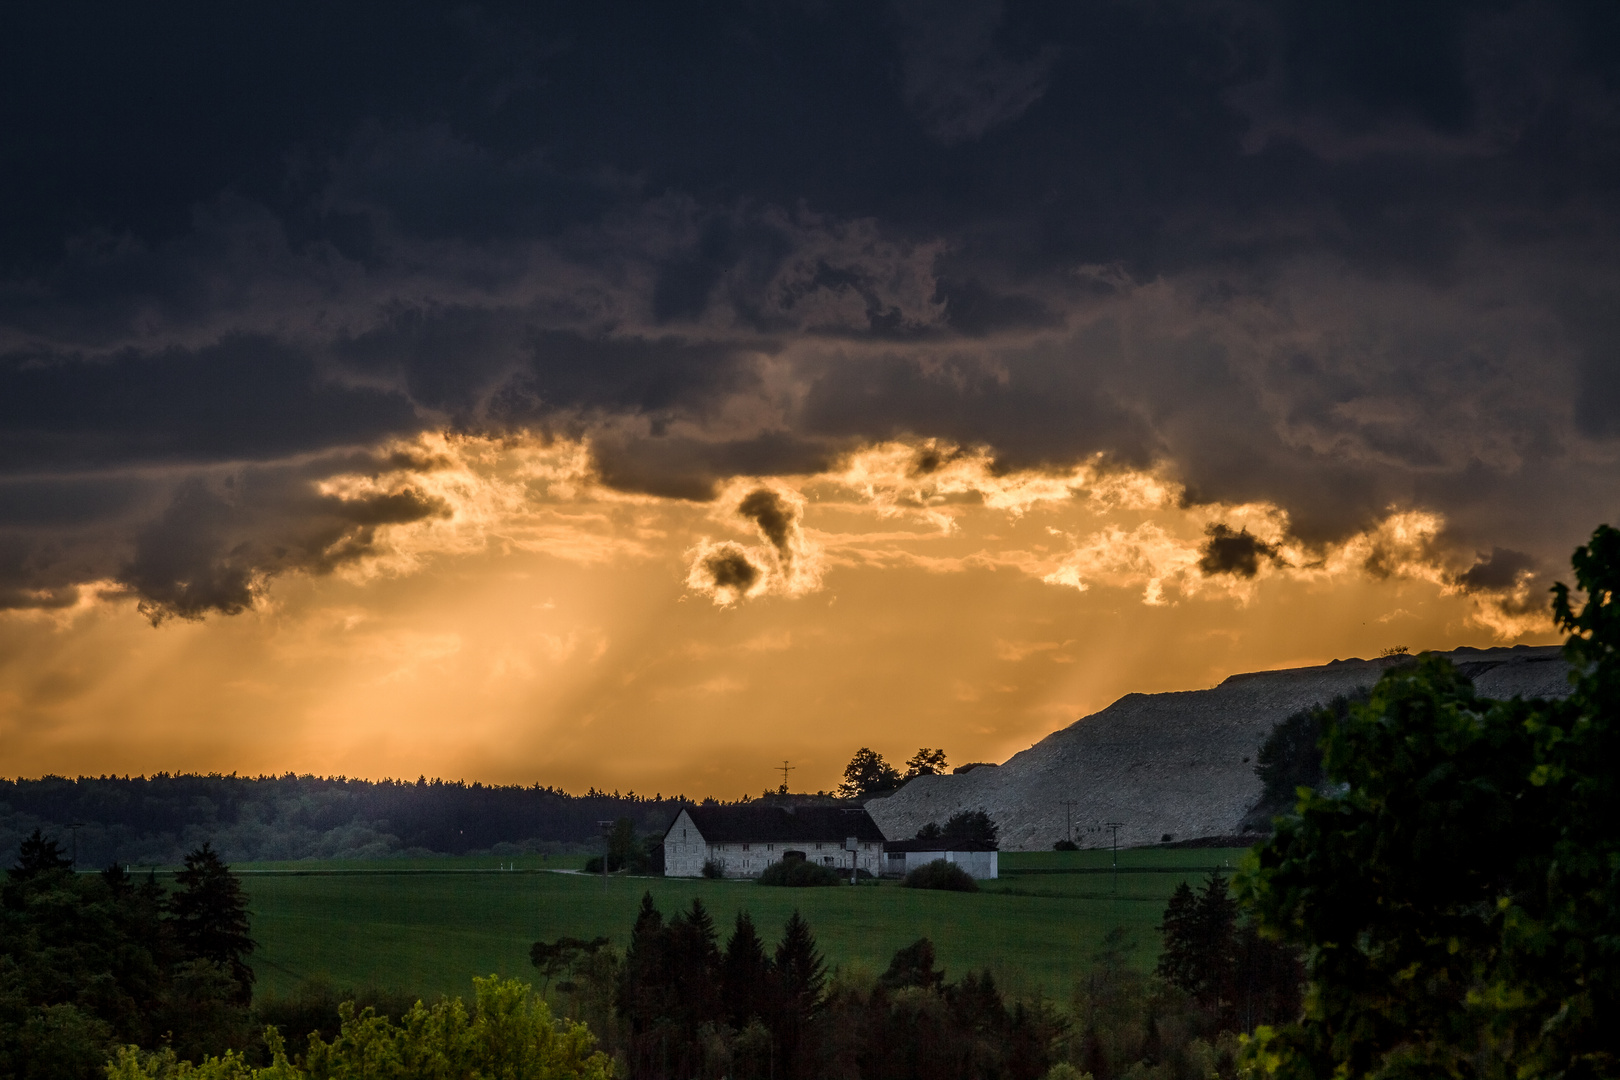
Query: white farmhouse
[[743, 840]]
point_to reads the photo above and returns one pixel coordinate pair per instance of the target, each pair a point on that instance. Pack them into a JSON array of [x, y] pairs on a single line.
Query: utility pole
[[1115, 826], [786, 768], [1068, 817], [74, 827]]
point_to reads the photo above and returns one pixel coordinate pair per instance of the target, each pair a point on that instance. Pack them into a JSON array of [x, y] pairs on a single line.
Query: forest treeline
[[144, 820]]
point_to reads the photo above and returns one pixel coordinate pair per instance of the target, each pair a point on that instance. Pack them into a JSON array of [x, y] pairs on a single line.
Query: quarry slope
[[1178, 764]]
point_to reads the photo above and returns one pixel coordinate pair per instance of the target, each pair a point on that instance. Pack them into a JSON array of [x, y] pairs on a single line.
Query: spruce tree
[[38, 856], [799, 965], [745, 974], [210, 916], [1178, 963], [800, 976], [1215, 937]]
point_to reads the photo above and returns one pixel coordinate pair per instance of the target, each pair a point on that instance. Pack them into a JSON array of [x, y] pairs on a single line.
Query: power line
[[1068, 817]]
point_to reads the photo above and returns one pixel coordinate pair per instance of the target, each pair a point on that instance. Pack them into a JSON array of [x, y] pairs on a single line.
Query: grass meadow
[[428, 926]]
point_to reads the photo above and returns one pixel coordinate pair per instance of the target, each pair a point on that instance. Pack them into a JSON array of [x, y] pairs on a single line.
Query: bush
[[940, 874], [797, 873], [713, 870], [508, 1032], [1065, 845], [313, 1009]]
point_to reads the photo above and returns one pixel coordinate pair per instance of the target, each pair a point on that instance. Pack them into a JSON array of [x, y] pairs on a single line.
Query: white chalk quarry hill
[[1179, 764]]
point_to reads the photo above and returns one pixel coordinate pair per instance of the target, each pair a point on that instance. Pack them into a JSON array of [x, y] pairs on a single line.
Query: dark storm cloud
[[244, 397], [957, 80], [775, 518], [728, 569], [1234, 552], [1337, 259], [1499, 570], [214, 546]]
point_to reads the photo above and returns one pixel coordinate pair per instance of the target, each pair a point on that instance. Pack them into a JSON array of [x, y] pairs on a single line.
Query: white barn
[[743, 840], [979, 858]]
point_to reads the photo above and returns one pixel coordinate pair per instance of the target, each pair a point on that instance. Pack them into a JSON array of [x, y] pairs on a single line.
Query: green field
[[427, 926]]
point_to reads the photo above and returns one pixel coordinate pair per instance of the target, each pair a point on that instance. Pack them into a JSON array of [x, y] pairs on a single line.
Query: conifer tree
[[210, 916], [799, 965], [1215, 930], [745, 974], [1178, 963], [800, 976], [38, 856]]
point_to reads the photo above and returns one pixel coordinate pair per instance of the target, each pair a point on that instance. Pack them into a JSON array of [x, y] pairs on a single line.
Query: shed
[[980, 858]]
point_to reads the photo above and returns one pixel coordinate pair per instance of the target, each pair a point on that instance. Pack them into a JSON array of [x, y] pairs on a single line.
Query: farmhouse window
[[745, 847]]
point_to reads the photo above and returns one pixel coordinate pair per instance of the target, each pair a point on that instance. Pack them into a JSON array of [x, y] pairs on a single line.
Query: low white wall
[[983, 865]]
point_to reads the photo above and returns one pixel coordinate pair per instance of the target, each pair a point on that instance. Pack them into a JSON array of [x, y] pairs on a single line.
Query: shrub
[[713, 870], [508, 1032], [1065, 845], [797, 873], [940, 874]]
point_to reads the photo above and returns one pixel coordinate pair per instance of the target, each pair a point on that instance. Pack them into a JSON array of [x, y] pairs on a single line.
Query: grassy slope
[[430, 933]]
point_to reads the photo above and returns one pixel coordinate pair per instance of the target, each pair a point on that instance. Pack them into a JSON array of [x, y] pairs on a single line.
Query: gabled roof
[[756, 823]]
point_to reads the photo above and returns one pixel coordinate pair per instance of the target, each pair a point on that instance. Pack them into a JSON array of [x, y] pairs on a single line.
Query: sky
[[641, 396]]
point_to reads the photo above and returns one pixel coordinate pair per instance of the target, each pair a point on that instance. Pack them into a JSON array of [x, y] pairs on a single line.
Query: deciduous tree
[[1457, 888], [868, 774]]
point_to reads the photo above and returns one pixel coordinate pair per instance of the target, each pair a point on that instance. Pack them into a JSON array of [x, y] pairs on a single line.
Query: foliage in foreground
[[510, 1033], [1459, 894], [88, 961]]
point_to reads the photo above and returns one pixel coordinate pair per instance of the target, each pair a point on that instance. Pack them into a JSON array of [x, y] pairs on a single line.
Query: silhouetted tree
[[645, 992], [800, 976], [1180, 963], [745, 974], [38, 856], [925, 762], [868, 774], [210, 913], [973, 825], [559, 957], [913, 966]]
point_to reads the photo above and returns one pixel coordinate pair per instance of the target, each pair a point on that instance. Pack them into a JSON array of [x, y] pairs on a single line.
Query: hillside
[[1177, 765]]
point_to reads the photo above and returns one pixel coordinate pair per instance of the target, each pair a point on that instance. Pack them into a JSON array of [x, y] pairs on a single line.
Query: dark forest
[[155, 819]]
